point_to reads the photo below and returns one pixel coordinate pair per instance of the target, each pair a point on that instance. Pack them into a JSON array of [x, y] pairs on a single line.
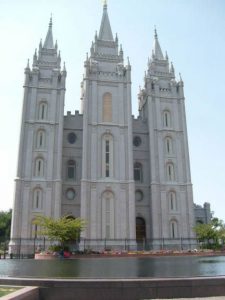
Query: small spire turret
[[116, 38], [28, 64], [128, 61], [166, 56], [40, 45], [35, 58], [64, 66], [181, 80], [172, 69], [59, 60]]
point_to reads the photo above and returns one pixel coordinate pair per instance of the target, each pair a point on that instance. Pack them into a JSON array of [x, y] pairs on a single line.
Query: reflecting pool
[[119, 267]]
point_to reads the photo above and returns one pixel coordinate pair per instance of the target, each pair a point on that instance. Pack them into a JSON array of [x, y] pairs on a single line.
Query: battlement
[[77, 113]]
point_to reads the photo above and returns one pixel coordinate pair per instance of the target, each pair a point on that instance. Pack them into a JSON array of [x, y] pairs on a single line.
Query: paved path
[[203, 298]]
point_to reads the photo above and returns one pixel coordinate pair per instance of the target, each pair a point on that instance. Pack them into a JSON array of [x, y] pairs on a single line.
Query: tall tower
[[161, 104], [38, 183], [107, 186]]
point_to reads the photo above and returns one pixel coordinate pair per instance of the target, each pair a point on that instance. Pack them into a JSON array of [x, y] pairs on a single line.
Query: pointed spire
[[166, 56], [172, 68], [121, 49], [40, 45], [35, 57], [28, 64], [156, 48], [64, 66], [105, 32], [48, 44], [116, 38]]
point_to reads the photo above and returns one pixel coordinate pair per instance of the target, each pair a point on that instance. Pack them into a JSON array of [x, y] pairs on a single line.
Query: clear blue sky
[[192, 32]]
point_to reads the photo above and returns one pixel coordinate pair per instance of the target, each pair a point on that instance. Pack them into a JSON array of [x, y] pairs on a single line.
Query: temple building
[[129, 178]]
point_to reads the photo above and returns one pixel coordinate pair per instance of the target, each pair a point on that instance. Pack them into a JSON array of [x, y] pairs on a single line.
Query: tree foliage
[[212, 232], [5, 224], [64, 230]]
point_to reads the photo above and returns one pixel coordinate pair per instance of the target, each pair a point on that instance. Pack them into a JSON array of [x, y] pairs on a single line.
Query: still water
[[129, 267]]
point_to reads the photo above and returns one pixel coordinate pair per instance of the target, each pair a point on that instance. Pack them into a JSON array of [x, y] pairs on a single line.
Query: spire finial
[[104, 4], [156, 35], [50, 22]]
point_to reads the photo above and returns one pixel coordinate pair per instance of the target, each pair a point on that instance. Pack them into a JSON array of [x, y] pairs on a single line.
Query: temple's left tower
[[38, 184]]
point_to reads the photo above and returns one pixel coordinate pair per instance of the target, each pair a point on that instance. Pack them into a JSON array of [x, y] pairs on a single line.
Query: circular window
[[71, 137], [139, 195], [70, 194], [137, 141]]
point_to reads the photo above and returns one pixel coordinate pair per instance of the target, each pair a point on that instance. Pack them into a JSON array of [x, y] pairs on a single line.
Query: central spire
[[156, 47], [105, 32], [48, 44]]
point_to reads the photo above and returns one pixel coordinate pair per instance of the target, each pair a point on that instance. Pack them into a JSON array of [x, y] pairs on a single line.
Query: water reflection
[[131, 267]]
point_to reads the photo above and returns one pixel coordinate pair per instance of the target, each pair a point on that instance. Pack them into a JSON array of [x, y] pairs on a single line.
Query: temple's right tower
[[162, 110]]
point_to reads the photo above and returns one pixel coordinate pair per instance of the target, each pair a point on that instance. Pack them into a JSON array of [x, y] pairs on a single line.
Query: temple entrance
[[140, 229]]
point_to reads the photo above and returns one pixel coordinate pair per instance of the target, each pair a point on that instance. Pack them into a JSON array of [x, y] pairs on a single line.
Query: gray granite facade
[[129, 178]]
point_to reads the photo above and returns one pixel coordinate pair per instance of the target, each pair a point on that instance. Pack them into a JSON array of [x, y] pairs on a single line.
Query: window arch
[[42, 112], [39, 167], [138, 172], [168, 145], [173, 229], [172, 201], [107, 107], [71, 170], [107, 156], [166, 118], [40, 141], [170, 172], [37, 199]]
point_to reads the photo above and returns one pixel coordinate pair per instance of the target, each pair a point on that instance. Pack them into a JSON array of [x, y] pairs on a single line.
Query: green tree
[[5, 225], [64, 230], [212, 232]]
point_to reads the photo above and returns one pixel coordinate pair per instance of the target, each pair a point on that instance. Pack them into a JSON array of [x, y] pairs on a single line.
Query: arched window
[[39, 167], [172, 201], [138, 172], [37, 199], [108, 215], [42, 113], [173, 229], [170, 172], [168, 145], [107, 156], [166, 119], [40, 143], [71, 170], [107, 107]]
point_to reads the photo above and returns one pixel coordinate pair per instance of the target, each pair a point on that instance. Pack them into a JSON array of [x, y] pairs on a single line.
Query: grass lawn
[[5, 290]]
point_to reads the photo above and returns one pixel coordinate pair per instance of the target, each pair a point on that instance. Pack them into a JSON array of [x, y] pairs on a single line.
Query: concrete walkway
[[204, 298]]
